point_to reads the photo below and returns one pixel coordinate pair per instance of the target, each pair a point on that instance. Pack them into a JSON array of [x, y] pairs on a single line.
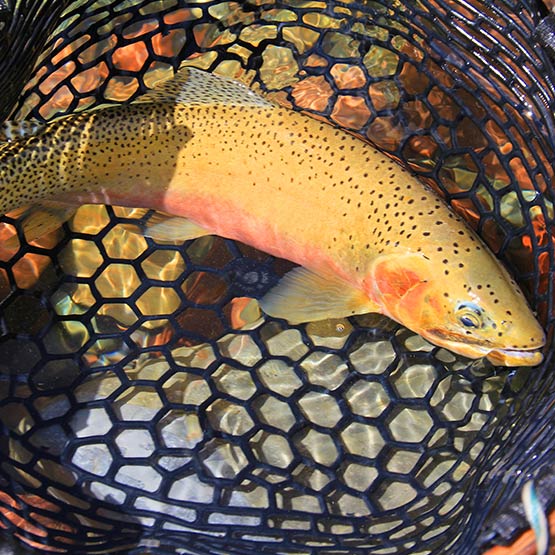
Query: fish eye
[[469, 321], [469, 315]]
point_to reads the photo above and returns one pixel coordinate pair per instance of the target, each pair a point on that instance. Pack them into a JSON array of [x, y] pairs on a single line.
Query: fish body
[[368, 236]]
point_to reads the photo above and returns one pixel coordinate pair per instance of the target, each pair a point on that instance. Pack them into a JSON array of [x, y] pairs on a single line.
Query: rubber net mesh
[[147, 405]]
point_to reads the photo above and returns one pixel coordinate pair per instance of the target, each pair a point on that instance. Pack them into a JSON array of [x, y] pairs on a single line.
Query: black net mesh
[[24, 29], [147, 407]]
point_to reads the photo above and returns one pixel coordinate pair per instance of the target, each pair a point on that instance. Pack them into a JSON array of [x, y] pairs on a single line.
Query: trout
[[220, 159]]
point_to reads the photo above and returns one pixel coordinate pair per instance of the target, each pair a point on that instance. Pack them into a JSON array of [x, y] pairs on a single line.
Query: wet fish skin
[[369, 236]]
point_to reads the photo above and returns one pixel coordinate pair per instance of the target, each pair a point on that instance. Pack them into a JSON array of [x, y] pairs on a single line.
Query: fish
[[215, 157]]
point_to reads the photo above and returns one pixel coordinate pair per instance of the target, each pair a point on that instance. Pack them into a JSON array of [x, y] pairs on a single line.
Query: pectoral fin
[[304, 296]]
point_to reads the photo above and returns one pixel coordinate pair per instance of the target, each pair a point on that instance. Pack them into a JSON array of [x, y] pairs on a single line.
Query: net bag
[[147, 406]]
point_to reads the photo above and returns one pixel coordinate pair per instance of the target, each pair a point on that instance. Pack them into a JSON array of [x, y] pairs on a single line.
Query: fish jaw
[[407, 291], [509, 357], [497, 356]]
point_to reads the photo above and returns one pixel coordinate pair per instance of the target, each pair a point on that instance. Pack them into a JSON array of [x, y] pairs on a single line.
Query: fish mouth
[[529, 356], [514, 357]]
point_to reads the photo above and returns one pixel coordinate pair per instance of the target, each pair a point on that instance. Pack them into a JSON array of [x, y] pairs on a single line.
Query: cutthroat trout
[[368, 236]]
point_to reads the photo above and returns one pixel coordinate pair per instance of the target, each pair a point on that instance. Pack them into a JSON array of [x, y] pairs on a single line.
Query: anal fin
[[305, 296], [39, 219]]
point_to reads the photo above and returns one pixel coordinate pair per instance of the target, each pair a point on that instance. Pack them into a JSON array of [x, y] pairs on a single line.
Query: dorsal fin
[[189, 86], [196, 87]]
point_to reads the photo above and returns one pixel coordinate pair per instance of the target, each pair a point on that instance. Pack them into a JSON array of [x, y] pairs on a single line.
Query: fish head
[[476, 309]]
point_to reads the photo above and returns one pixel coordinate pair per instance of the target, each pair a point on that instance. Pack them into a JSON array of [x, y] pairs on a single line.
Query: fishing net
[[146, 404]]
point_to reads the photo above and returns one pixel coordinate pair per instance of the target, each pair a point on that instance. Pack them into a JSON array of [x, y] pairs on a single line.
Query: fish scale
[[335, 209]]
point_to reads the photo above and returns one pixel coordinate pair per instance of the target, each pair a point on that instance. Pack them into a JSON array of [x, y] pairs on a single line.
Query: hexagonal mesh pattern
[[145, 402]]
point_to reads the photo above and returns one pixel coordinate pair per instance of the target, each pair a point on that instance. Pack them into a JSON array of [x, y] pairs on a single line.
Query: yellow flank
[[368, 235]]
